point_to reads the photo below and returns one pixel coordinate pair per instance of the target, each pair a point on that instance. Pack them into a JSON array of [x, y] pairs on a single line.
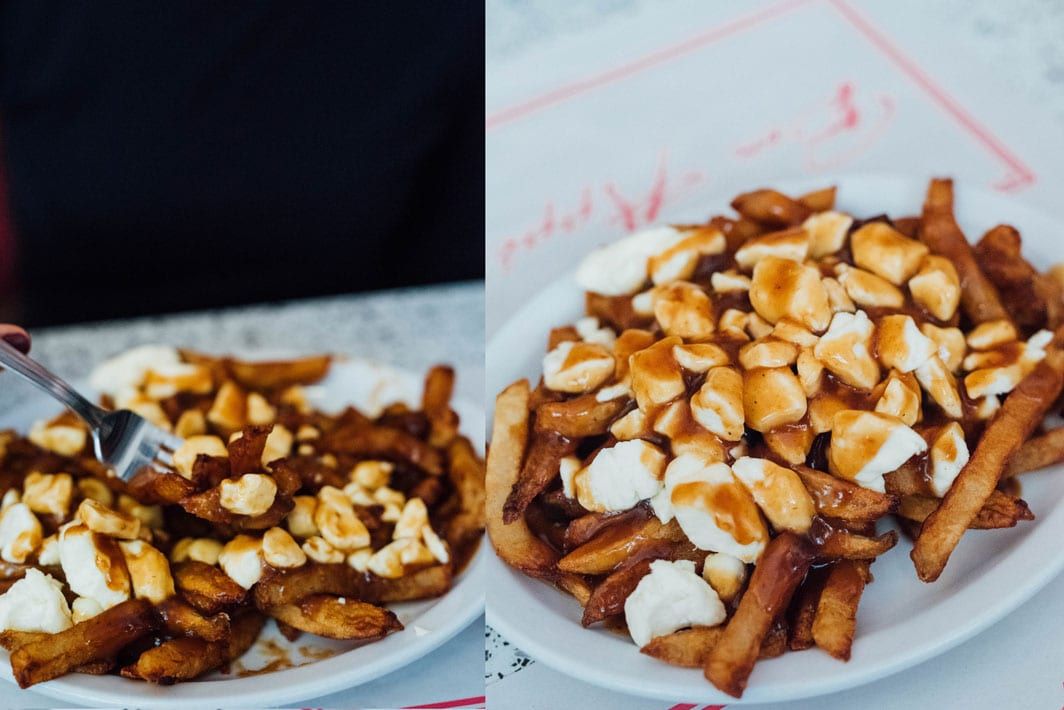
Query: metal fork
[[125, 441]]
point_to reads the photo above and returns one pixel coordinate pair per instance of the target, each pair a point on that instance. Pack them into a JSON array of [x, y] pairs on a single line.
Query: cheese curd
[[656, 376], [127, 371], [901, 345], [228, 412], [278, 444], [414, 517], [937, 287], [336, 520], [679, 261], [620, 268], [729, 281], [792, 244], [699, 357], [20, 533], [941, 386], [725, 574], [767, 352], [251, 494], [99, 518], [713, 509], [991, 334], [948, 455], [590, 330], [84, 608], [671, 597], [866, 445], [168, 379], [35, 603], [620, 476], [778, 491], [684, 310], [372, 474], [149, 572], [827, 232], [200, 549], [772, 397], [886, 252], [866, 289], [48, 493], [950, 343], [567, 468], [577, 367], [321, 551], [241, 559], [900, 398], [718, 404], [61, 439], [93, 566], [281, 551], [782, 288], [845, 350], [193, 446]]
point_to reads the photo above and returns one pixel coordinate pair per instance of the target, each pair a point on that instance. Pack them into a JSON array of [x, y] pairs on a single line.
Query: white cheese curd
[[856, 433], [712, 507], [35, 603], [241, 559], [621, 267], [620, 476], [612, 392], [949, 454], [87, 568], [725, 574], [592, 331], [20, 533], [568, 467], [126, 371], [671, 597]]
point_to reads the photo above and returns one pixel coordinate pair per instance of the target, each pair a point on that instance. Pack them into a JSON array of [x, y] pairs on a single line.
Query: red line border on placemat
[[460, 703], [1021, 175]]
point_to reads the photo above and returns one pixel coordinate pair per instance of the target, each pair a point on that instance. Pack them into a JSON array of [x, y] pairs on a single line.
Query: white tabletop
[[603, 117]]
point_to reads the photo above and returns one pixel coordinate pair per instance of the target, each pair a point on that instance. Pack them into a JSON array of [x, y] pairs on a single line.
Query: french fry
[[464, 530], [610, 594], [1037, 452], [244, 628], [615, 311], [775, 643], [177, 660], [820, 200], [1033, 299], [515, 543], [844, 500], [245, 451], [207, 588], [423, 584], [370, 441], [688, 648], [265, 375], [770, 207], [582, 529], [436, 404], [178, 618], [1021, 412], [95, 639], [287, 586], [836, 612], [999, 511], [908, 480], [326, 615], [540, 468], [152, 487], [836, 543], [778, 573], [940, 232], [803, 610], [619, 543], [580, 416]]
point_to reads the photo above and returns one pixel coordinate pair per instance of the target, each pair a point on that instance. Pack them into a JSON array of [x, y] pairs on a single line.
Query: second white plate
[[901, 621]]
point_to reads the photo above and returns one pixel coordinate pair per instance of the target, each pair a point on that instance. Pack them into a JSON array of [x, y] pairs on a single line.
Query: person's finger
[[15, 336]]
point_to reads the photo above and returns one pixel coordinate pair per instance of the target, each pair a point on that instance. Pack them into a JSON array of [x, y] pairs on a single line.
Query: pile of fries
[[274, 510], [749, 399]]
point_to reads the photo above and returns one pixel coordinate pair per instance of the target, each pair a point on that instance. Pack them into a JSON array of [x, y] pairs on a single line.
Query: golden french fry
[[540, 468], [837, 543], [688, 648], [618, 543], [940, 232], [836, 612], [803, 610], [465, 528], [177, 660], [778, 573], [95, 639], [265, 375], [338, 618], [208, 589], [844, 500], [580, 416], [770, 207], [820, 200], [515, 543], [999, 511], [610, 594], [1037, 452], [1011, 426], [436, 404], [178, 618]]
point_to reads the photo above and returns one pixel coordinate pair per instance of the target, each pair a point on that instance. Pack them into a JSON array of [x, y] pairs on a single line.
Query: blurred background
[[159, 157]]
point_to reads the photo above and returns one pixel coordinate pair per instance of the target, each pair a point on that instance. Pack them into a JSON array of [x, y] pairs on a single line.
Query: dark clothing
[[175, 155]]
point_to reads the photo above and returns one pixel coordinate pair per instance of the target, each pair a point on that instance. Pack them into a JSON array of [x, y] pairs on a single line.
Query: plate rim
[[455, 611], [579, 668]]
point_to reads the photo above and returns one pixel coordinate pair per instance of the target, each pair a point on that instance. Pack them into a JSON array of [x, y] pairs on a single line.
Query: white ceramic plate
[[901, 621], [428, 624]]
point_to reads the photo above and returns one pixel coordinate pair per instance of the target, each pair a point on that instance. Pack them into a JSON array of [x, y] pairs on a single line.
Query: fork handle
[[41, 377]]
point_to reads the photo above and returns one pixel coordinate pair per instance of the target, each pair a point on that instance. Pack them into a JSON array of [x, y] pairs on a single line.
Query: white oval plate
[[901, 621], [428, 624]]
